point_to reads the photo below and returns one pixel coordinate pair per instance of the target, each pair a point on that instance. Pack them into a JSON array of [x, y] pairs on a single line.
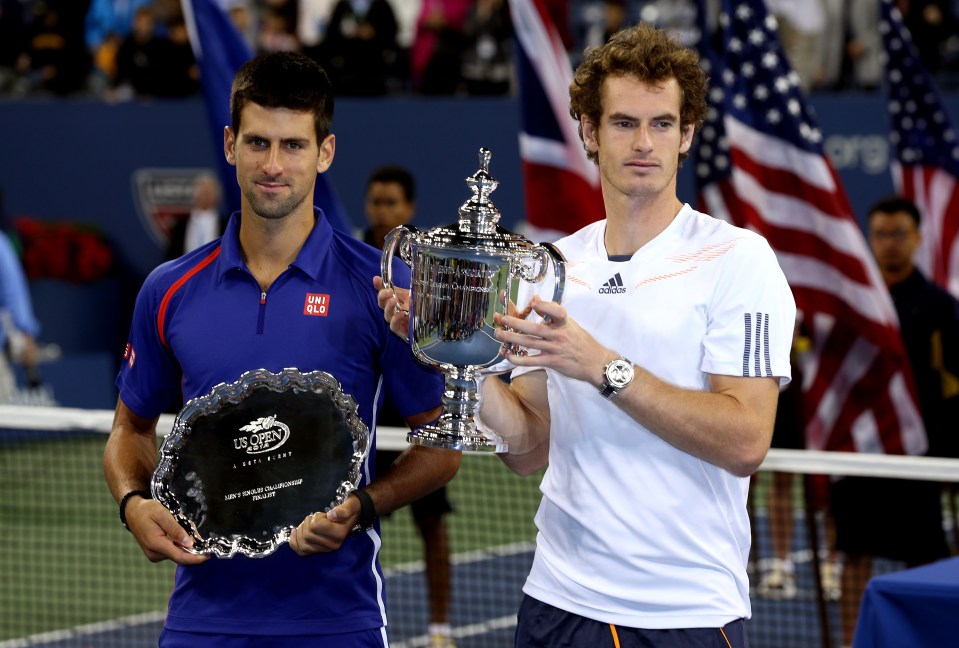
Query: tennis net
[[70, 575]]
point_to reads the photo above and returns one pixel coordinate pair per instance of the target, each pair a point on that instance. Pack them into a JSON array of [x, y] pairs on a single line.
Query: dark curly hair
[[650, 55], [284, 80]]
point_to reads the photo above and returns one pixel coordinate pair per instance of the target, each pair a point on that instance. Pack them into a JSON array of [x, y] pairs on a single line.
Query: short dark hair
[[397, 174], [284, 80], [652, 56], [896, 203]]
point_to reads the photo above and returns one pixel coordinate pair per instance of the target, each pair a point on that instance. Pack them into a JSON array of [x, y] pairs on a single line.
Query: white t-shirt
[[633, 531]]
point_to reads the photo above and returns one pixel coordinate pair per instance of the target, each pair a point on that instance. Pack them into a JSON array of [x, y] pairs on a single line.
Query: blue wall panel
[[76, 161]]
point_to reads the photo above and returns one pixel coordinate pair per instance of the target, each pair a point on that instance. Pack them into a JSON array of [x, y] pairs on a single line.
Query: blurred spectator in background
[[204, 223], [832, 43], [12, 27], [932, 25], [407, 12], [359, 51], [436, 57], [311, 23], [106, 24], [54, 59], [864, 46], [801, 27], [598, 21], [488, 53], [678, 17], [245, 17], [18, 325], [150, 64], [276, 33], [182, 68], [901, 519]]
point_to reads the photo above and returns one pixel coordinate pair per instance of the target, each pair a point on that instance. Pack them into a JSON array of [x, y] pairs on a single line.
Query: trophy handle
[[395, 240], [543, 253], [559, 269]]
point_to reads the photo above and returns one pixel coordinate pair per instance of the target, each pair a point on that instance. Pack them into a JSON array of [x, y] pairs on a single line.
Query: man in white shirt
[[651, 392], [204, 223]]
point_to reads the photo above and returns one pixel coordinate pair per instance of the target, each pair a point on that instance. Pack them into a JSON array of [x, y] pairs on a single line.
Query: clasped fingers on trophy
[[395, 303], [561, 343]]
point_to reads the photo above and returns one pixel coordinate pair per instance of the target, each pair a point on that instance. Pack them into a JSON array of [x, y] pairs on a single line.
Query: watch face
[[619, 373]]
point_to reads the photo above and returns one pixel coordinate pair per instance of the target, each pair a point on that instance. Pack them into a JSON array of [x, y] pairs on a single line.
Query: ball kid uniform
[[202, 320], [632, 531]]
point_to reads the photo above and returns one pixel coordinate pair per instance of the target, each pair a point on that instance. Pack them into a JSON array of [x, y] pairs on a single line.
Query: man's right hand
[[395, 303], [158, 533]]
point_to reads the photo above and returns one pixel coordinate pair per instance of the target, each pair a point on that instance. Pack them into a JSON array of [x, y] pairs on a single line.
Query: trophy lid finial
[[479, 214]]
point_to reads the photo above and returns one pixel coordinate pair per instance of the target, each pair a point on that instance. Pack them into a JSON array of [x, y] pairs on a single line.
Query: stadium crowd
[[120, 49]]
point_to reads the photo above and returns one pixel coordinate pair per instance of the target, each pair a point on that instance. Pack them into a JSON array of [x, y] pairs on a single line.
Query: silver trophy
[[461, 275]]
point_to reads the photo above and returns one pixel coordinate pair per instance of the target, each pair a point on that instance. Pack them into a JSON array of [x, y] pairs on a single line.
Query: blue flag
[[220, 51]]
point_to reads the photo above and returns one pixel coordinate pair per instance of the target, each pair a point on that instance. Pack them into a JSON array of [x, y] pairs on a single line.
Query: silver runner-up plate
[[246, 463]]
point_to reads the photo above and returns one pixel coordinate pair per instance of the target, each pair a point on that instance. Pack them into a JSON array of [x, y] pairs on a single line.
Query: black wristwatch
[[616, 376], [367, 511]]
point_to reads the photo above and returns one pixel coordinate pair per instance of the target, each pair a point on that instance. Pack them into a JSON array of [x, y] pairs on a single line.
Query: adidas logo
[[613, 287]]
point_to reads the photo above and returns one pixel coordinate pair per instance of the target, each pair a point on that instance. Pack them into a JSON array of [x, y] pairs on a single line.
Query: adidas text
[[614, 286]]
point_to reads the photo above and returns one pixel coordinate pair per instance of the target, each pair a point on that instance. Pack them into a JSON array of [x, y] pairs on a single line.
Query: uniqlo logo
[[129, 355], [317, 305]]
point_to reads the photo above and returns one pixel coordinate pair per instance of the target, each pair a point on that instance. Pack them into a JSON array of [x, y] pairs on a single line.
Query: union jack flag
[[926, 166], [761, 165], [561, 184]]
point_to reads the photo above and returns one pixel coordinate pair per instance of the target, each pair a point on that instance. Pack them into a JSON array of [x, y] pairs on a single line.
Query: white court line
[[85, 630], [406, 568]]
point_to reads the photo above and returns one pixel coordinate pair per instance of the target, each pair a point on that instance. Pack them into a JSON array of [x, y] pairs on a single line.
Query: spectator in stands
[[864, 46], [54, 59], [107, 23], [205, 221], [12, 31], [18, 325], [901, 519], [183, 72], [275, 32], [832, 50], [359, 51], [932, 24], [599, 21], [244, 16], [801, 27], [391, 202], [311, 23], [436, 58], [488, 52], [151, 64]]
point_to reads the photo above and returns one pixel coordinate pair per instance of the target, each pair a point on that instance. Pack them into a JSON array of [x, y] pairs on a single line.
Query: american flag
[[562, 185], [926, 166], [220, 51], [761, 165]]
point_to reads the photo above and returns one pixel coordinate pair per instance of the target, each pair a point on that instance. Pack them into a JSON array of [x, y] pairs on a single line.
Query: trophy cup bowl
[[461, 276]]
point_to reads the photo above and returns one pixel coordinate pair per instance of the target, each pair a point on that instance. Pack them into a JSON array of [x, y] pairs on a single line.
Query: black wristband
[[145, 494], [367, 511]]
